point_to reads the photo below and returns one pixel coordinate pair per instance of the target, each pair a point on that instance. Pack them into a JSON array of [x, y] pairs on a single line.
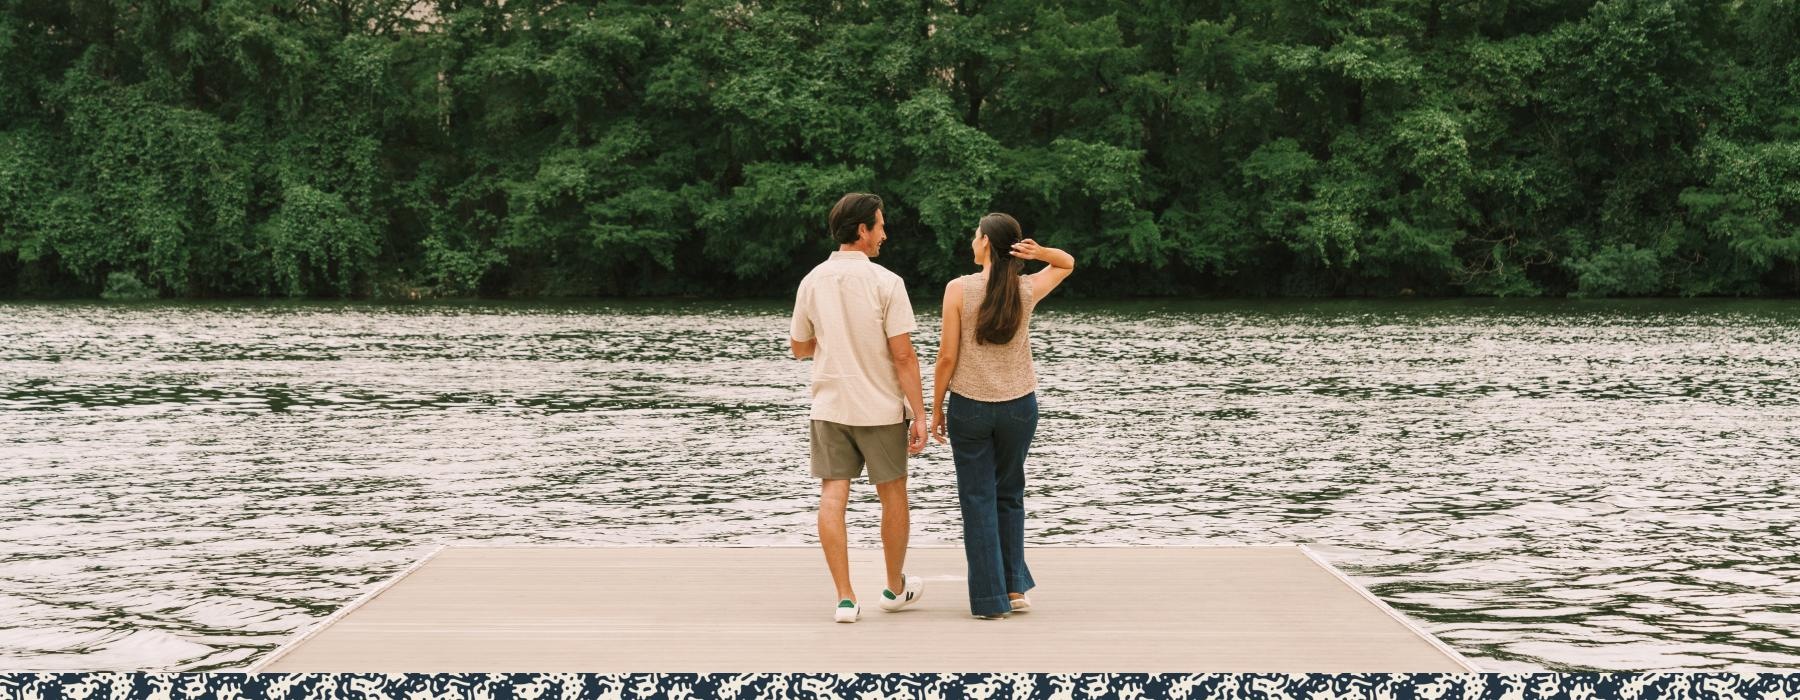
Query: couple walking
[[853, 318]]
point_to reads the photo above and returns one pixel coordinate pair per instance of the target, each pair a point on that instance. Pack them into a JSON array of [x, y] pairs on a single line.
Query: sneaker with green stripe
[[914, 588], [848, 610]]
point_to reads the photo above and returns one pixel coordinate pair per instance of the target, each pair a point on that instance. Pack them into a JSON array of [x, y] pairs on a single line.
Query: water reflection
[[1542, 485]]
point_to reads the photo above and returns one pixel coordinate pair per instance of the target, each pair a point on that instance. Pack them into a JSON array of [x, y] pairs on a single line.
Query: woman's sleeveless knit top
[[993, 372]]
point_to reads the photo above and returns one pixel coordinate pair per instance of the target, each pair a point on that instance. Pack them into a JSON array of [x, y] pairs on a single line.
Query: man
[[853, 318]]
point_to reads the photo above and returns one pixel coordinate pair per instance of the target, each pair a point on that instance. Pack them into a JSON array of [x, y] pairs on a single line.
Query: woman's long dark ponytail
[[997, 320]]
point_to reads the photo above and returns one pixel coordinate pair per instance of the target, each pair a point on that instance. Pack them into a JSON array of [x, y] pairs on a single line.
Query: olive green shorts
[[839, 451]]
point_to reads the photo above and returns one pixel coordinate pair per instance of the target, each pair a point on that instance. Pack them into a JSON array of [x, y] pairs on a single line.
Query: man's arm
[[800, 331], [906, 367]]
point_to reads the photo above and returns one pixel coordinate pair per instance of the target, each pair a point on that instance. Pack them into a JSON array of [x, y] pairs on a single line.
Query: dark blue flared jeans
[[989, 440]]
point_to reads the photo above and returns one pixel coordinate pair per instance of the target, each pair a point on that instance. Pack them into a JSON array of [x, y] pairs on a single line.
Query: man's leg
[[834, 496], [896, 527]]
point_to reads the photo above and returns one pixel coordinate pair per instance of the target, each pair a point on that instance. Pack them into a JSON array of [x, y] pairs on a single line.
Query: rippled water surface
[[1552, 485]]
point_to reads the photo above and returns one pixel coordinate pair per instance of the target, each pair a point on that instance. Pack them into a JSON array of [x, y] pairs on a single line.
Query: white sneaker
[[915, 589], [848, 611], [1021, 603]]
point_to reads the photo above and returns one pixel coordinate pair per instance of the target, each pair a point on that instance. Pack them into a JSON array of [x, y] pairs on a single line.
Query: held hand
[[915, 440], [938, 429], [1026, 249]]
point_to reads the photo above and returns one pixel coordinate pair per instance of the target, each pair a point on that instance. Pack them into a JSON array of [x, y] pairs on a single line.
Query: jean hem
[[1000, 604]]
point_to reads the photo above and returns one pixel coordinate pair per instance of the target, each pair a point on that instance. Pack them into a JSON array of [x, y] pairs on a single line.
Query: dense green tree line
[[1300, 147]]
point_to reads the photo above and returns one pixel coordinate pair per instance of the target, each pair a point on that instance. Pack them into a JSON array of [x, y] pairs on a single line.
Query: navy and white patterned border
[[870, 686]]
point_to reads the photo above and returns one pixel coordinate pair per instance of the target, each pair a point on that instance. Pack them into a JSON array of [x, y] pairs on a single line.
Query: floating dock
[[768, 609]]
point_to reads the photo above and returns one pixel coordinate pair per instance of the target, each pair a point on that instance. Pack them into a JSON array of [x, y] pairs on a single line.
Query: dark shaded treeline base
[[20, 282]]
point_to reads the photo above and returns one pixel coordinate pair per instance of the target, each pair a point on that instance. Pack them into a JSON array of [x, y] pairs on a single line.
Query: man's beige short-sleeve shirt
[[852, 306]]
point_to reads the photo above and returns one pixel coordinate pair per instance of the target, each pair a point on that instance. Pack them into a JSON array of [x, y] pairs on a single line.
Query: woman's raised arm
[[1045, 281]]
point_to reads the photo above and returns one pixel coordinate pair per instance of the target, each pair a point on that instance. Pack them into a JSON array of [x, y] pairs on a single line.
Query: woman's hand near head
[[1027, 250]]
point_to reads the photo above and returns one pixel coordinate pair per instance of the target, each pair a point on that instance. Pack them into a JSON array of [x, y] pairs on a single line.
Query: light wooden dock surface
[[707, 609]]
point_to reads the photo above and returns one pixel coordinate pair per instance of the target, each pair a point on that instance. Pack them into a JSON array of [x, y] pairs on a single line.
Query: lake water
[[1543, 485]]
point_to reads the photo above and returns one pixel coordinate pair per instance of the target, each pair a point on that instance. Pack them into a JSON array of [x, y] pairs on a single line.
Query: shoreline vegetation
[[530, 149]]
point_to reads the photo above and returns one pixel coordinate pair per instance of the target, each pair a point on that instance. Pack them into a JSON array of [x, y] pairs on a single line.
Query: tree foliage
[[548, 147]]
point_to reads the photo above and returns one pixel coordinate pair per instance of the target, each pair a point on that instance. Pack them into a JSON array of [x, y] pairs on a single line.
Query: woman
[[984, 362]]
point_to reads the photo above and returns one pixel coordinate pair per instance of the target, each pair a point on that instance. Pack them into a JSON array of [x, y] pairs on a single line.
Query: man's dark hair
[[855, 208]]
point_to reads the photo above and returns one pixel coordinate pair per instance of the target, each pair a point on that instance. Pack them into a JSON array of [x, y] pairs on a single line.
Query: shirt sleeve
[[802, 327], [898, 316]]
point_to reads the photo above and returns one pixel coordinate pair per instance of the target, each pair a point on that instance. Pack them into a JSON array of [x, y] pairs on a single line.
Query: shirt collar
[[849, 255]]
